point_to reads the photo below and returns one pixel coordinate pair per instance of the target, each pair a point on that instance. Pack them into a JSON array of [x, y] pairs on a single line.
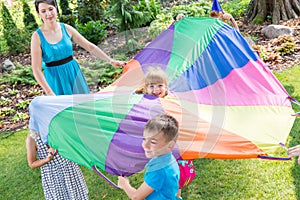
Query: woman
[[52, 44]]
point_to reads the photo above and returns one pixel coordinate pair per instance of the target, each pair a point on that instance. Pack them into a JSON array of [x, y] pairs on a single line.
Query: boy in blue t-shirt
[[162, 171]]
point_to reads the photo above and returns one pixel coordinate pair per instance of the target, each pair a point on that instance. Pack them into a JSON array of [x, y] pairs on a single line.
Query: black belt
[[59, 62]]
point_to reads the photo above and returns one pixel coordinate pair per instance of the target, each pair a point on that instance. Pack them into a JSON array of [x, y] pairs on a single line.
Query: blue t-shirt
[[162, 174]]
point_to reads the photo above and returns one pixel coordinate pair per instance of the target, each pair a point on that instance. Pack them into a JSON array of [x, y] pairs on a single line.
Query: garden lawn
[[216, 179]]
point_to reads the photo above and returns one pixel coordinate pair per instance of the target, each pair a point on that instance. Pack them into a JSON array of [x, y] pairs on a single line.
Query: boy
[[162, 171]]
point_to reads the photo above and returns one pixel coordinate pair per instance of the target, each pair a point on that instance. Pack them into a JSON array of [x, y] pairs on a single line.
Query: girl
[[61, 178]]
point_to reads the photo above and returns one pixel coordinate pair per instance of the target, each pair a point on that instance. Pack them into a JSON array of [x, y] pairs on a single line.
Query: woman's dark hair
[[50, 2]]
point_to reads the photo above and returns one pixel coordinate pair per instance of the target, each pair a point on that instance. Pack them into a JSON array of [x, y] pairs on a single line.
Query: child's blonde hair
[[165, 123], [155, 75]]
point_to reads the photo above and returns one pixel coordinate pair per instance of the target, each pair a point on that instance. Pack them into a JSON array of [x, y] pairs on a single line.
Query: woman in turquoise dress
[[52, 44]]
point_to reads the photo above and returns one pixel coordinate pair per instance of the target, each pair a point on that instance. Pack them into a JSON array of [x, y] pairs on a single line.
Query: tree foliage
[[7, 19], [28, 18], [66, 13], [17, 40], [89, 10], [9, 27], [64, 6], [135, 14]]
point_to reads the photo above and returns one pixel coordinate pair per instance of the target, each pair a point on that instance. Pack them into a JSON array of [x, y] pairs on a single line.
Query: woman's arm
[[31, 154], [36, 64], [92, 48]]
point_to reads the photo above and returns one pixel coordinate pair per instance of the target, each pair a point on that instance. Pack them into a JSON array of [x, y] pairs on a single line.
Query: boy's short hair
[[165, 123], [155, 75]]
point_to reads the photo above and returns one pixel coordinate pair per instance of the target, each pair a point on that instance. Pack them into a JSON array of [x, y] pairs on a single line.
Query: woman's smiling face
[[47, 12]]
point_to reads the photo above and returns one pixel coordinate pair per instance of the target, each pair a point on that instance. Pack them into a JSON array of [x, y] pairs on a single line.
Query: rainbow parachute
[[228, 104]]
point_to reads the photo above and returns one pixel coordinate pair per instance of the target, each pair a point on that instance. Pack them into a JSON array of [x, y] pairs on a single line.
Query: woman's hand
[[117, 63]]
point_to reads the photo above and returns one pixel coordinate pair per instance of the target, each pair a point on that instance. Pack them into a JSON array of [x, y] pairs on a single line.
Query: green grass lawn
[[216, 179]]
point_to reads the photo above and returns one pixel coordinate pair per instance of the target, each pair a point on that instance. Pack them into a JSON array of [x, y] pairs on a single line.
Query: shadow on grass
[[17, 180]]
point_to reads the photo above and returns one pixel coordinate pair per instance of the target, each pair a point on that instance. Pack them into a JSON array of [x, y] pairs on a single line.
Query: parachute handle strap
[[97, 171], [276, 158], [273, 158], [295, 101]]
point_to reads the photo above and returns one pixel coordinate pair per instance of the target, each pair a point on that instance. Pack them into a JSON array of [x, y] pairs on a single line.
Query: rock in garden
[[274, 31], [8, 65]]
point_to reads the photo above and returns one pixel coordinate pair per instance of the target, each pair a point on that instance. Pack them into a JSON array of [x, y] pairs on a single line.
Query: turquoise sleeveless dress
[[65, 79]]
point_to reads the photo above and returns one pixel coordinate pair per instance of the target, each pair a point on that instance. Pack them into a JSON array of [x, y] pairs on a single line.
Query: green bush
[[194, 9], [64, 6], [150, 10], [286, 48], [236, 7], [9, 26], [17, 40], [134, 15], [165, 19], [28, 18], [7, 19], [21, 75], [94, 31], [89, 10], [66, 13], [68, 19], [100, 73], [162, 22]]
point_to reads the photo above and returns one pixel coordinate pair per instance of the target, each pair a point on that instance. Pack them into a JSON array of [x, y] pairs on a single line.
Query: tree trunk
[[263, 10]]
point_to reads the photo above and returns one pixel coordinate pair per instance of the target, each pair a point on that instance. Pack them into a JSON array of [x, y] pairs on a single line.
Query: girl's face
[[47, 12], [157, 89], [154, 144]]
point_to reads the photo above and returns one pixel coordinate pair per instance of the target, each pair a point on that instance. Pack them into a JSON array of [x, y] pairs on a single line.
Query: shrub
[[150, 10], [195, 9], [17, 40], [89, 10], [21, 75], [64, 6], [286, 48], [66, 13], [164, 20], [134, 15], [236, 7], [9, 26], [28, 18], [161, 23], [100, 73], [7, 20], [93, 31], [286, 43]]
